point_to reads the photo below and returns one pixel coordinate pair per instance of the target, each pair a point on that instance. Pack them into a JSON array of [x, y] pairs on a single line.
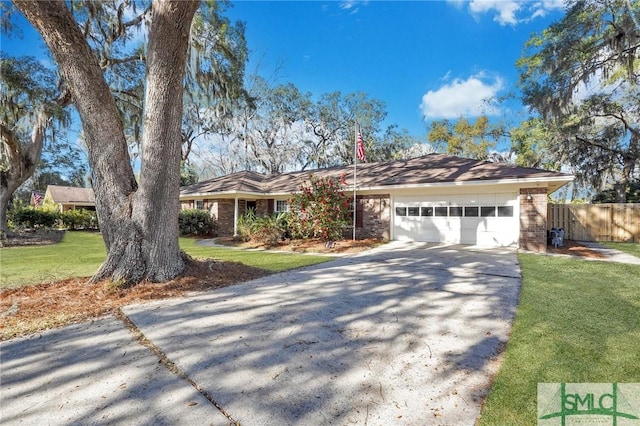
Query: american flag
[[360, 148], [37, 198]]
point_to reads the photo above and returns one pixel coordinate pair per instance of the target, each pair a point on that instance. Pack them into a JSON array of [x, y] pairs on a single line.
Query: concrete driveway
[[404, 334]]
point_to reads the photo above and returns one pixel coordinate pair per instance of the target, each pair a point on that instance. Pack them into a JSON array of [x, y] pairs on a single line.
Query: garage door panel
[[476, 225]]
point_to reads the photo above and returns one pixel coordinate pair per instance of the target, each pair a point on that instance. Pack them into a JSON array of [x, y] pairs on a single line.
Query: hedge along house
[[434, 198]]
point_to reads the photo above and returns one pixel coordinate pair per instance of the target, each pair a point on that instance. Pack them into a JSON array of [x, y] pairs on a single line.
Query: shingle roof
[[246, 181], [71, 194], [428, 169]]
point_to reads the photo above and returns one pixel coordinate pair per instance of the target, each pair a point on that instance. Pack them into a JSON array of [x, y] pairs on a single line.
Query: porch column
[[235, 217]]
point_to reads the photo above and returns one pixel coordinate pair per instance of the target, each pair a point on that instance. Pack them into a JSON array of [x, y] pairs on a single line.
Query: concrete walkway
[[404, 334], [612, 255]]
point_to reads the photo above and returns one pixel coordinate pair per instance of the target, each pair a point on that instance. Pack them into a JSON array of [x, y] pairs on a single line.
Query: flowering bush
[[320, 209]]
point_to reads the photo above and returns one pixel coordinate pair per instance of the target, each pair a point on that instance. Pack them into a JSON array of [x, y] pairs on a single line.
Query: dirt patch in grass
[[33, 308], [574, 248], [306, 246]]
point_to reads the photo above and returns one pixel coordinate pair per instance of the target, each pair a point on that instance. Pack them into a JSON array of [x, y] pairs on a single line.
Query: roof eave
[[223, 194], [563, 179], [558, 181]]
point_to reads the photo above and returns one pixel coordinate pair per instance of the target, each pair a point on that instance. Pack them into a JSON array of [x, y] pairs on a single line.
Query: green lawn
[[630, 248], [578, 321], [274, 262], [78, 255], [81, 253]]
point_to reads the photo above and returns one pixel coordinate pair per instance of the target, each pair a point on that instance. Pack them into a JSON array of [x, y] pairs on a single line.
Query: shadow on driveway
[[404, 334]]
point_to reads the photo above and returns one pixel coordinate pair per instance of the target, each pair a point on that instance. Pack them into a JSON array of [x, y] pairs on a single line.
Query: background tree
[[632, 192], [530, 143], [581, 76], [215, 75], [397, 144], [465, 139], [272, 126], [139, 222], [369, 115], [31, 111]]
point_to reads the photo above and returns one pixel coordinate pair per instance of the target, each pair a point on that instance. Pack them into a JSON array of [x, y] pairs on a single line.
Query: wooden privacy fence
[[596, 222]]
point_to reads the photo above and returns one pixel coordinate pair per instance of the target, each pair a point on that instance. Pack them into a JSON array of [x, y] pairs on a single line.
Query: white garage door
[[482, 219]]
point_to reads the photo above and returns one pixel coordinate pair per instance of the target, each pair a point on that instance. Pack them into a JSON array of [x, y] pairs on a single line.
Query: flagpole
[[355, 176]]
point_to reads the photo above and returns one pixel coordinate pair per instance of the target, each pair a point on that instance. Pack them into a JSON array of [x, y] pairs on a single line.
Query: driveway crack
[[170, 365]]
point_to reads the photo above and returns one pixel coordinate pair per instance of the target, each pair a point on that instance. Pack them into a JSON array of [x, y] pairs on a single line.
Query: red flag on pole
[[360, 150]]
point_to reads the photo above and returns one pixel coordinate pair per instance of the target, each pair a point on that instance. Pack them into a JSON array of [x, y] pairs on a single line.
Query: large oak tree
[[581, 75], [139, 221]]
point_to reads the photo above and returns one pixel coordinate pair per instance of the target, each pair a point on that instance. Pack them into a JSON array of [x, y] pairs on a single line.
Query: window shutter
[[270, 203]]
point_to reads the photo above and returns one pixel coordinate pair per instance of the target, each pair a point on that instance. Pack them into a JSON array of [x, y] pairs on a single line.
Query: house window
[[281, 206], [200, 204], [471, 211], [505, 211], [455, 211], [441, 211], [414, 211], [401, 211], [487, 211], [427, 211]]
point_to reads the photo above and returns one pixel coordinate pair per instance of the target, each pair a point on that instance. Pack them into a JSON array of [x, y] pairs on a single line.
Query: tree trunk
[[139, 225], [157, 201], [22, 163], [629, 161]]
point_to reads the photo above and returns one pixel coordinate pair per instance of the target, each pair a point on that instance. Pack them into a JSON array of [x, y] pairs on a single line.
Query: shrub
[[79, 219], [264, 229], [28, 217], [243, 227], [269, 230], [320, 209], [197, 222]]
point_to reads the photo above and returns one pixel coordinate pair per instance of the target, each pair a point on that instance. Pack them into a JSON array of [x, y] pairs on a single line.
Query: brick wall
[[261, 207], [375, 217], [533, 219], [225, 217]]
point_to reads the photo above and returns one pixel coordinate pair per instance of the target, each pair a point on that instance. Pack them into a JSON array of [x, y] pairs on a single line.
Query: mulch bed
[[33, 308], [574, 248], [306, 246]]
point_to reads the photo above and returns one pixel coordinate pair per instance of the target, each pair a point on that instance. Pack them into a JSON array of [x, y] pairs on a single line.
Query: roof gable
[[70, 194], [246, 181]]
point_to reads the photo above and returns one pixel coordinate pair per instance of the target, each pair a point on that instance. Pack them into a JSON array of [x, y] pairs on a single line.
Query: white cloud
[[352, 5], [505, 10], [462, 98], [510, 12]]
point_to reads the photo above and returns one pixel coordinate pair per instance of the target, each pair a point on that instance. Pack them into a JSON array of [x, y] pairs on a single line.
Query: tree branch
[[601, 146]]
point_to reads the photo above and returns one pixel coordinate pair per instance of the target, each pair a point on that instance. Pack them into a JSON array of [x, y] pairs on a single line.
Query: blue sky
[[425, 59], [437, 59]]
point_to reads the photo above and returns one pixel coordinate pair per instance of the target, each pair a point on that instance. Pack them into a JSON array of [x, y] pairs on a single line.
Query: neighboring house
[[434, 198], [69, 198]]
